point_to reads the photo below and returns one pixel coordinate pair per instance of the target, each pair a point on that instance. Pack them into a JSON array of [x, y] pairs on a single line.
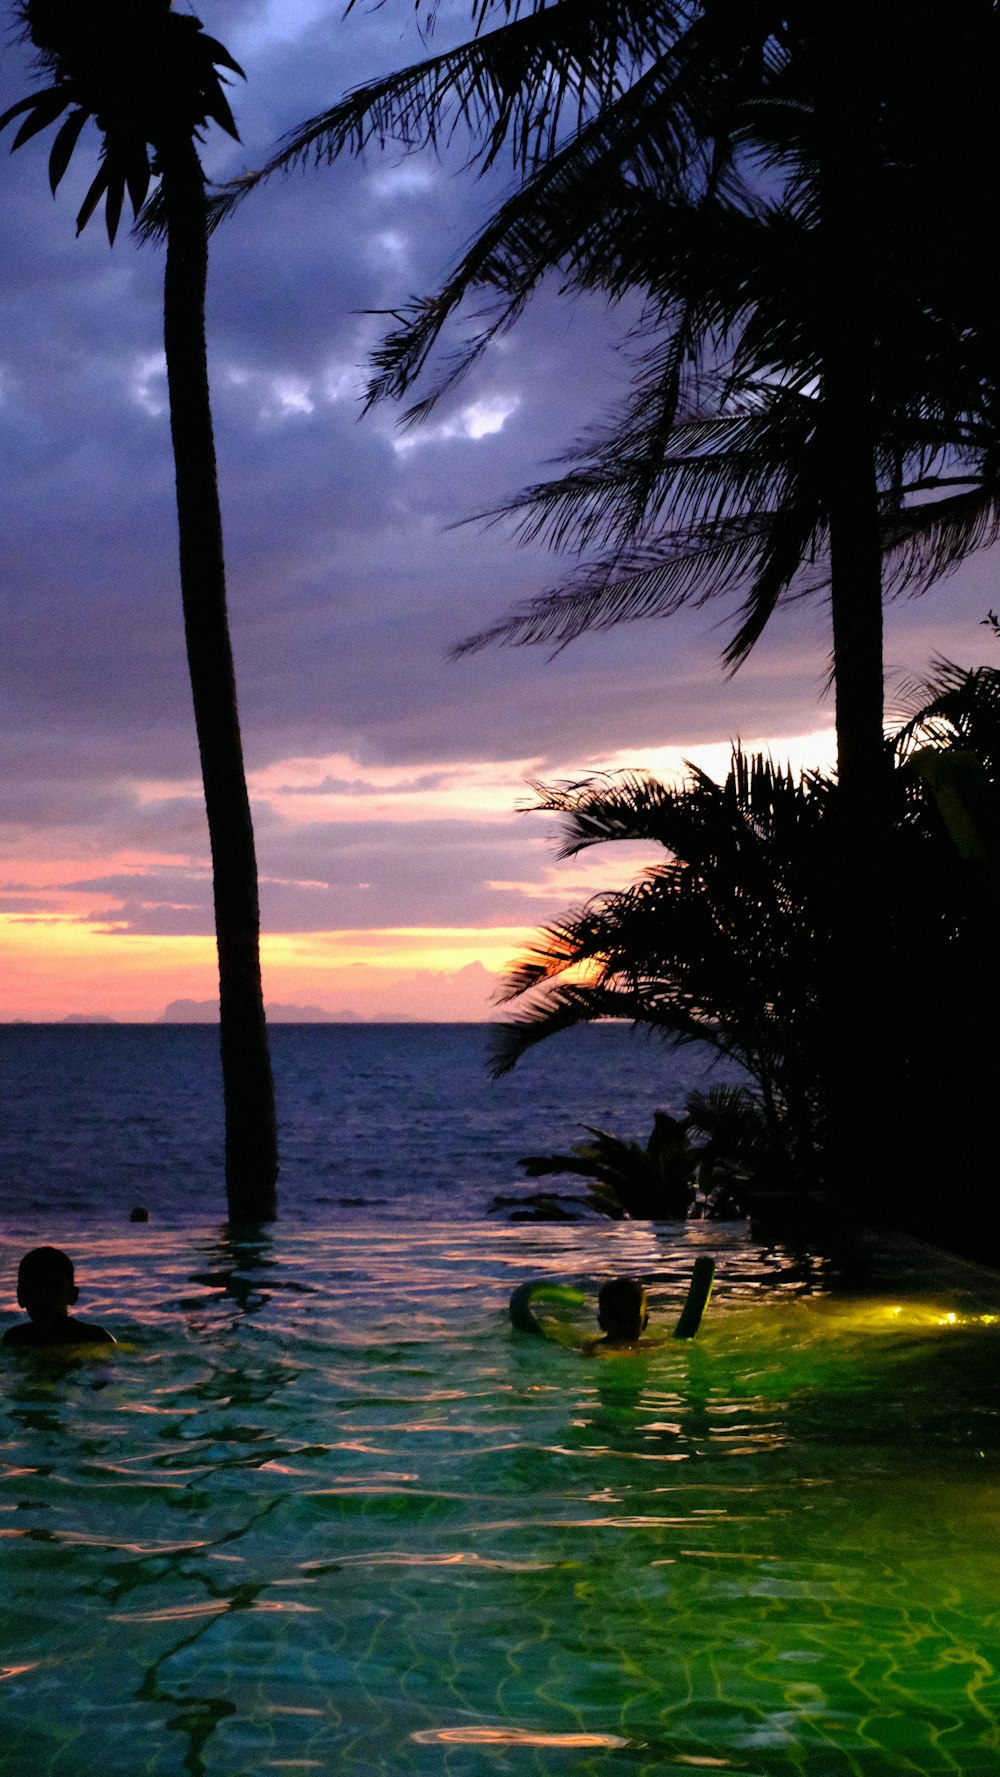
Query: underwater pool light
[[904, 1317]]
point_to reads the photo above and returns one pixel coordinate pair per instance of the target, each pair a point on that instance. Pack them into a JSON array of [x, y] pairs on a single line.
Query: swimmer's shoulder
[[602, 1347], [26, 1336], [87, 1332]]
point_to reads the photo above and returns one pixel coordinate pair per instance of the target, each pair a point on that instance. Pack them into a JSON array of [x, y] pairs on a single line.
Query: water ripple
[[322, 1508]]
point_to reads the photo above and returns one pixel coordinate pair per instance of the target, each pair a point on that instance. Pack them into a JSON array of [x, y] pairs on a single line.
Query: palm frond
[[522, 84], [621, 805], [735, 506], [151, 222], [95, 192], [566, 1005], [559, 217], [42, 108], [927, 541], [954, 707], [63, 146]]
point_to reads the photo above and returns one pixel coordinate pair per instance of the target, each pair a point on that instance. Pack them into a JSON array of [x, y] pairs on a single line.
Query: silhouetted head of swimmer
[[46, 1290], [622, 1311], [46, 1285]]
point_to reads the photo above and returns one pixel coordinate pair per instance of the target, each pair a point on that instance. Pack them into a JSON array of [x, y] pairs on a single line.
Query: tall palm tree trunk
[[847, 150], [251, 1138], [857, 1055]]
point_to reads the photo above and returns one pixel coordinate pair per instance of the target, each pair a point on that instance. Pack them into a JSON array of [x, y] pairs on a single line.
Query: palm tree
[[765, 177], [150, 79], [733, 942], [726, 943], [649, 1181]]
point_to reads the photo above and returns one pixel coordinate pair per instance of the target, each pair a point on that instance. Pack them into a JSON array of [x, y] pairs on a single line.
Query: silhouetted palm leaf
[[649, 1180]]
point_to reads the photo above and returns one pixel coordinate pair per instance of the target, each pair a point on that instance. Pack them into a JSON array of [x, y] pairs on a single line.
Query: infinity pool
[[323, 1511]]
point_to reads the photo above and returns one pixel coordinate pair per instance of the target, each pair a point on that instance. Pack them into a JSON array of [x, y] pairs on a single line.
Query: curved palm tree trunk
[[251, 1139]]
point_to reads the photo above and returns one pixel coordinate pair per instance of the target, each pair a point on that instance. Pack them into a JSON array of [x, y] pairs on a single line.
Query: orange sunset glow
[[70, 948], [58, 966]]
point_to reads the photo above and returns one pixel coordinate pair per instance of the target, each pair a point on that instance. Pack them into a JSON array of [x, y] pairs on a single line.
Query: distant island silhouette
[[207, 1012]]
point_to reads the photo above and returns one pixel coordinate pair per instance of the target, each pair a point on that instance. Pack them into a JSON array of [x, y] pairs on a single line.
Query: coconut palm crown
[[96, 54]]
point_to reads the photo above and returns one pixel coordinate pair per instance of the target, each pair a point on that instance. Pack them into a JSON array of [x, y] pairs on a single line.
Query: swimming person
[[622, 1311], [622, 1314], [46, 1290]]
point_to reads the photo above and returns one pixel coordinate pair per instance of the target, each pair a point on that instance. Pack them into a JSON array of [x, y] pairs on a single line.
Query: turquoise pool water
[[322, 1511]]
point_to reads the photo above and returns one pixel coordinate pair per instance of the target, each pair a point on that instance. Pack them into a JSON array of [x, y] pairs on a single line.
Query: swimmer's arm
[[80, 1336]]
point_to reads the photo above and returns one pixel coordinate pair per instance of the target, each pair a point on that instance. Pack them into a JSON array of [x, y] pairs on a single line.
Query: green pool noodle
[[526, 1293], [696, 1301]]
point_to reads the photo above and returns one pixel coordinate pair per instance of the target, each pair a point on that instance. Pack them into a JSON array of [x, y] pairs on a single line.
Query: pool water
[[322, 1510]]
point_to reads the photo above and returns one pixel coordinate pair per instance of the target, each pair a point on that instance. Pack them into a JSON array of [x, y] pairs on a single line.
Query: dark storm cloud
[[347, 584]]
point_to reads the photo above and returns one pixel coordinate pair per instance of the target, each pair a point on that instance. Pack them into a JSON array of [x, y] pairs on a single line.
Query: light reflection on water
[[322, 1510]]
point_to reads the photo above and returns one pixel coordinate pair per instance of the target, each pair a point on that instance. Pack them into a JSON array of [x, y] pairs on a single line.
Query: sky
[[400, 869]]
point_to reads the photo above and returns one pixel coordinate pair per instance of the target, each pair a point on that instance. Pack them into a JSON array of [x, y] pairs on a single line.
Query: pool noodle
[[522, 1298], [696, 1301]]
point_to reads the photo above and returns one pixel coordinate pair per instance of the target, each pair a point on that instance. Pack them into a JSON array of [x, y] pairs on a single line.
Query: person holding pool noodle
[[622, 1310]]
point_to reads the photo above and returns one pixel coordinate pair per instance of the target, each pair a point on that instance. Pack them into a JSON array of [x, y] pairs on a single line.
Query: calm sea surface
[[398, 1119], [321, 1510]]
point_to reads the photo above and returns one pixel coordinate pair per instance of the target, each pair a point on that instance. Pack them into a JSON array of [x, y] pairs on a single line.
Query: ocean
[[386, 1119]]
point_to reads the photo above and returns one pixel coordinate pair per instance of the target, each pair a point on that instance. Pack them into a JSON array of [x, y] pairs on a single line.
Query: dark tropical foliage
[[732, 942], [725, 943], [952, 742], [652, 1180], [669, 1177], [148, 77], [736, 1158], [950, 748], [956, 708]]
